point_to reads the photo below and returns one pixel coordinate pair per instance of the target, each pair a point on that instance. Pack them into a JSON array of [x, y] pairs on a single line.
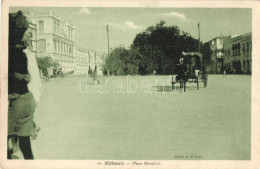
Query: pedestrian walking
[[90, 72], [94, 76]]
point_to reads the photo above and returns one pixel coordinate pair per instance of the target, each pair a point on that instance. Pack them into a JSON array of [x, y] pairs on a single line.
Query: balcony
[[219, 55]]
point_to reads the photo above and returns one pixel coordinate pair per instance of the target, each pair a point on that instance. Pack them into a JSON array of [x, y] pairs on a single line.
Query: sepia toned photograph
[[129, 86]]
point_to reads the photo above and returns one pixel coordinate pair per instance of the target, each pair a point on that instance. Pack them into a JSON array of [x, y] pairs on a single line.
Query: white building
[[55, 38], [88, 59], [82, 60]]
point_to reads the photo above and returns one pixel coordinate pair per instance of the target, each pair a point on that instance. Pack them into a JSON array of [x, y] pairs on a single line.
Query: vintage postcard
[[139, 84]]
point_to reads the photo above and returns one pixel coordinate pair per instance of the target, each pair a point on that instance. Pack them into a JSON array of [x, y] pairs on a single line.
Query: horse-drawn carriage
[[191, 70]]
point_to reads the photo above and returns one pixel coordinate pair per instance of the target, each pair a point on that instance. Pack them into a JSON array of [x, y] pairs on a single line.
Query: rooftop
[[51, 14]]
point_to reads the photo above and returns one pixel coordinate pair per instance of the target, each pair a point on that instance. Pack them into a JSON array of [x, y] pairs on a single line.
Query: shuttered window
[[41, 27], [42, 46]]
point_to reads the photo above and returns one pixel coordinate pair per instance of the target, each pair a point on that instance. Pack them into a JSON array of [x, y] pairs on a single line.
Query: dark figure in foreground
[[23, 88]]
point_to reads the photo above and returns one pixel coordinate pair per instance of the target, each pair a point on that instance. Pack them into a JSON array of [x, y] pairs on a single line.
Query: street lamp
[[199, 35]]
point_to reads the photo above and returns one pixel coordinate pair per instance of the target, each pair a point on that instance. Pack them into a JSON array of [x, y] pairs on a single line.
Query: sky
[[125, 23]]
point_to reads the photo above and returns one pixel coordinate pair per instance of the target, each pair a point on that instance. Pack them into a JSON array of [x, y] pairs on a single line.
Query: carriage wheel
[[205, 80], [184, 86], [181, 84], [172, 83], [198, 83]]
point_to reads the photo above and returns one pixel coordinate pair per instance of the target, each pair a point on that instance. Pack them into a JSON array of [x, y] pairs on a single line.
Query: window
[[71, 50], [65, 48], [70, 33], [55, 27], [233, 50], [54, 47], [58, 28], [42, 46], [61, 48], [238, 48], [41, 27], [56, 44]]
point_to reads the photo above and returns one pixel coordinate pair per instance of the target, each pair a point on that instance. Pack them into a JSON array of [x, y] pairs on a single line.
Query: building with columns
[[231, 54], [86, 59], [55, 38], [82, 60], [241, 59]]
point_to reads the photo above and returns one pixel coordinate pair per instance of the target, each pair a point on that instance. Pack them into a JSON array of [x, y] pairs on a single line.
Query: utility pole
[[199, 35], [107, 40], [216, 51]]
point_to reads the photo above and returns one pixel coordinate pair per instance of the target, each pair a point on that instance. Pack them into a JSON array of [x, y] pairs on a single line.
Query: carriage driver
[[181, 67]]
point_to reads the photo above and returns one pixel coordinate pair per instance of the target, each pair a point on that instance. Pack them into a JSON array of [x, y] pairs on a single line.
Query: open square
[[212, 123]]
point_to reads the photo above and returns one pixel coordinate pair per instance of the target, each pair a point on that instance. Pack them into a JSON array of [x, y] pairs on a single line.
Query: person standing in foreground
[[24, 87]]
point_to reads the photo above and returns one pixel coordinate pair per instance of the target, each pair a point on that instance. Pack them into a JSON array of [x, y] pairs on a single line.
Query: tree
[[157, 48], [44, 63], [206, 54], [160, 48], [121, 61]]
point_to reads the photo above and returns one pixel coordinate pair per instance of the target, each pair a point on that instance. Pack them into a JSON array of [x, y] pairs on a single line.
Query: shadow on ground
[[169, 88]]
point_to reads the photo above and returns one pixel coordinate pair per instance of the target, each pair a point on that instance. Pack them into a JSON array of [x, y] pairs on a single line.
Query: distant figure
[[90, 72], [46, 75], [154, 72], [94, 75]]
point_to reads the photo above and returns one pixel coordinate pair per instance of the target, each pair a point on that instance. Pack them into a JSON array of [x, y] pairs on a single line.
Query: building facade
[[216, 47], [82, 60], [231, 54], [241, 58], [55, 39], [88, 59]]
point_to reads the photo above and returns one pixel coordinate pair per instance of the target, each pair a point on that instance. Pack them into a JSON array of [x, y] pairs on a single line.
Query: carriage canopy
[[193, 57], [194, 54]]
